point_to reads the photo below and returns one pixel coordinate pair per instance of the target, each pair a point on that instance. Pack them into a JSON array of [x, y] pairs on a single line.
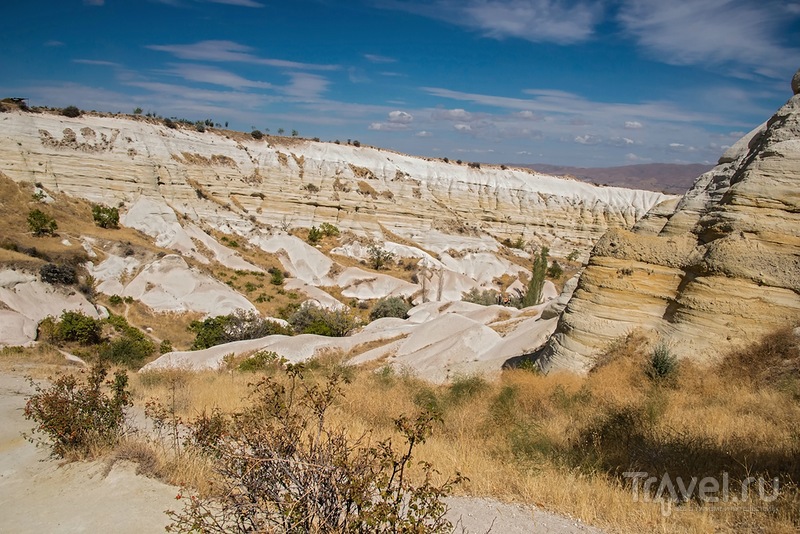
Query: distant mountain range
[[669, 178]]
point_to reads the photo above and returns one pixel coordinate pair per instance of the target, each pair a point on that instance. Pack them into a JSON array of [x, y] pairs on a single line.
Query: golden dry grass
[[522, 438]]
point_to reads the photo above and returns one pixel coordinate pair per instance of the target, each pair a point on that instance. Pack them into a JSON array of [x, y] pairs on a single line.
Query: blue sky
[[569, 82]]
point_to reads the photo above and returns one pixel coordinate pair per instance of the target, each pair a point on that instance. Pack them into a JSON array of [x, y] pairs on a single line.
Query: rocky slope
[[723, 267], [191, 193], [236, 183]]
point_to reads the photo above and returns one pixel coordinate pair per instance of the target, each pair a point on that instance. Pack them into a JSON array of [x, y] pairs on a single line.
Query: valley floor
[[38, 494]]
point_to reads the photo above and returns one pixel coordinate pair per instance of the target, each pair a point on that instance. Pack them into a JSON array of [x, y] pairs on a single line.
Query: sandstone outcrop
[[720, 270]]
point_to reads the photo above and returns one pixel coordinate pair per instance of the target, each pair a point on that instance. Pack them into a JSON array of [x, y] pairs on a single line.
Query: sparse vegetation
[[314, 235], [378, 256], [105, 217], [233, 327], [390, 307], [485, 297], [78, 416], [58, 274], [41, 224], [328, 230], [533, 295], [256, 134], [71, 111], [555, 271], [310, 318]]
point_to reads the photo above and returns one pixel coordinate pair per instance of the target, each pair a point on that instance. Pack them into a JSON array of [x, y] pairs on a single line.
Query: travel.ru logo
[[646, 488]]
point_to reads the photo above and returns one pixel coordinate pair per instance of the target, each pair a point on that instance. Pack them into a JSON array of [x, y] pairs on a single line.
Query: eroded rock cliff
[[722, 268]]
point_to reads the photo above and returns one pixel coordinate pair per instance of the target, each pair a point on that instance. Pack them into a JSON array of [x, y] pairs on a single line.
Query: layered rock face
[[237, 184], [722, 269]]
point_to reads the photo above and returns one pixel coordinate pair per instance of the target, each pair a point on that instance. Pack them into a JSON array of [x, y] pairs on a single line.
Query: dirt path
[[41, 495]]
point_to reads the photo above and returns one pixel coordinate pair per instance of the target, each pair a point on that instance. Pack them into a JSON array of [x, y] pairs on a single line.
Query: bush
[[328, 230], [555, 271], [390, 307], [312, 319], [58, 274], [314, 235], [256, 134], [233, 327], [284, 467], [105, 217], [262, 360], [76, 327], [41, 223], [487, 297], [379, 257], [662, 365], [165, 346], [276, 276], [169, 123], [130, 349], [74, 416], [71, 111]]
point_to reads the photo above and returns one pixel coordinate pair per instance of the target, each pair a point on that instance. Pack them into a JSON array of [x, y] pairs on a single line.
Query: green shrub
[[390, 307], [555, 270], [314, 235], [77, 327], [662, 365], [313, 319], [276, 276], [328, 230], [256, 134], [379, 257], [465, 387], [115, 300], [74, 415], [58, 274], [573, 255], [262, 360], [284, 467], [487, 297], [71, 111], [233, 327], [105, 217], [41, 223], [165, 346]]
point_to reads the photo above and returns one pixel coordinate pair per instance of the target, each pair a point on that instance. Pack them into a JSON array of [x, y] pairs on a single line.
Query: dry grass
[[527, 437]]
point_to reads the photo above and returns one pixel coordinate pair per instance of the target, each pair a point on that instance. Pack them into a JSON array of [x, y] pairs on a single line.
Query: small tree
[[281, 131], [41, 223], [257, 134], [137, 111], [105, 217], [295, 133], [533, 295], [378, 256], [329, 230]]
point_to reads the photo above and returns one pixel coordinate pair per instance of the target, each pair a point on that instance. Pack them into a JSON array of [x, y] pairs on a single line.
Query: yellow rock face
[[719, 271]]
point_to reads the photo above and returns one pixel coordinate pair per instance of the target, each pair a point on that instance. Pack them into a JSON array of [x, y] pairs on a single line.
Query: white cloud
[[527, 114], [400, 117], [423, 133], [229, 51], [587, 139], [375, 58], [305, 86], [462, 127], [214, 75], [457, 114], [53, 43], [243, 3], [716, 32], [633, 125], [554, 21], [677, 145], [96, 62]]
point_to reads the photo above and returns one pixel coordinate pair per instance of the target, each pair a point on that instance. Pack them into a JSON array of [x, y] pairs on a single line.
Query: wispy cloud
[[215, 76], [230, 51], [53, 43], [375, 58], [97, 62], [556, 21], [717, 32], [305, 86], [243, 3]]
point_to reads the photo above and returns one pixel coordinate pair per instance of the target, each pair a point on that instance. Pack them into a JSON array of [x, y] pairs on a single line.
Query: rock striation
[[721, 269], [238, 184]]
